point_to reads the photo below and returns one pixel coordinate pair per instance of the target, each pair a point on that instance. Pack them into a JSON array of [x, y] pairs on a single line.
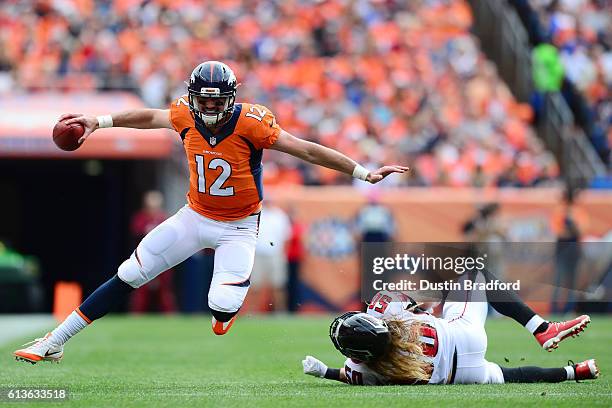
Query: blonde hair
[[404, 362]]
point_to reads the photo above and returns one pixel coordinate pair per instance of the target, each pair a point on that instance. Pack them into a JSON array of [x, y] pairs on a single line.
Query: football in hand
[[66, 137]]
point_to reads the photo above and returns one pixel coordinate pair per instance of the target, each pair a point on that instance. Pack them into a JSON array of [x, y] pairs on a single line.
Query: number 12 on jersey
[[217, 188]]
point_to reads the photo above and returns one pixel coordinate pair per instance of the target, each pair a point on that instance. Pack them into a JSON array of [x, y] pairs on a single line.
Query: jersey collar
[[226, 130]]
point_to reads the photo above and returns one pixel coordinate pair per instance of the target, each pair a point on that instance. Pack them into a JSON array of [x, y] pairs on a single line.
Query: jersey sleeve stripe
[[256, 166], [184, 133]]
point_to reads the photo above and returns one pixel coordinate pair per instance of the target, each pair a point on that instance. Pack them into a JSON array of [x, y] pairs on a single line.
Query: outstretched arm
[[313, 366], [324, 156], [136, 118]]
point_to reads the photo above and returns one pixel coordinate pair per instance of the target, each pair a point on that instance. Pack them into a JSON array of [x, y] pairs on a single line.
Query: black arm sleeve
[[333, 374]]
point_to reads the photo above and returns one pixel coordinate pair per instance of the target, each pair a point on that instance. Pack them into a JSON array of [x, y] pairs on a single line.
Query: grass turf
[[177, 361]]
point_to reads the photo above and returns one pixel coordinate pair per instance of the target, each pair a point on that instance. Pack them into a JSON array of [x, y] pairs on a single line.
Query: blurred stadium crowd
[[383, 81], [581, 30]]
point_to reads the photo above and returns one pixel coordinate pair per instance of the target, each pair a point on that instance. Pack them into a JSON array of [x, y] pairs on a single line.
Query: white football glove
[[315, 367]]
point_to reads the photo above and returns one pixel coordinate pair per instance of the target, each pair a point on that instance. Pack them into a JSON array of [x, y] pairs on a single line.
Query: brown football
[[66, 137]]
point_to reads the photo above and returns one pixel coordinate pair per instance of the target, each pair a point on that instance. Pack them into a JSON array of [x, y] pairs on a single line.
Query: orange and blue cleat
[[220, 328], [40, 349]]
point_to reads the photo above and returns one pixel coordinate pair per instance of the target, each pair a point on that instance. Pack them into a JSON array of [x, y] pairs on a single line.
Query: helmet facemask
[[212, 93], [212, 107]]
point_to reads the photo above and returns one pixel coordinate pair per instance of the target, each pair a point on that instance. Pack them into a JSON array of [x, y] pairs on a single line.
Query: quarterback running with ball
[[224, 142]]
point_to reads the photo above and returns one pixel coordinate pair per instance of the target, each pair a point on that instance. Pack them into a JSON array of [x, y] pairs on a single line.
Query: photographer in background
[[568, 253], [487, 233]]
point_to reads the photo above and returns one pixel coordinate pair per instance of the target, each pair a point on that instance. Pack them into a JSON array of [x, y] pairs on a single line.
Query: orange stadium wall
[[329, 276]]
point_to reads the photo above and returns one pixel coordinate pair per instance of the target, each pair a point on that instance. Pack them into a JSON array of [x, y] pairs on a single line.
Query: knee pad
[[146, 261], [151, 256], [226, 298], [132, 273]]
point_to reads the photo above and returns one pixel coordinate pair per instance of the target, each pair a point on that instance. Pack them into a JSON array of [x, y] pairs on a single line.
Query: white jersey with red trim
[[438, 343]]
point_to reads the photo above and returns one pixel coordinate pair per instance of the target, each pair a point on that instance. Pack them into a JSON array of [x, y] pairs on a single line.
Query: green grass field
[[177, 361]]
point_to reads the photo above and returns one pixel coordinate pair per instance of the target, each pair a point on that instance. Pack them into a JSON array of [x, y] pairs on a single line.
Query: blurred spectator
[[270, 267], [375, 222], [582, 32], [568, 253], [295, 256], [488, 233], [162, 288], [382, 81], [195, 276], [548, 73]]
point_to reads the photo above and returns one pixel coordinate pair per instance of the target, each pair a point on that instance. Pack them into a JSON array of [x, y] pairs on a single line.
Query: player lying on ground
[[396, 342], [224, 143]]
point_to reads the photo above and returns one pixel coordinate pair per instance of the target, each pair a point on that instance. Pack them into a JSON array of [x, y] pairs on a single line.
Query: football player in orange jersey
[[224, 143]]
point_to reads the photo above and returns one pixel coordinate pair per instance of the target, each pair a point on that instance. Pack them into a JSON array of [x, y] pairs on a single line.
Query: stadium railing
[[568, 143], [505, 40]]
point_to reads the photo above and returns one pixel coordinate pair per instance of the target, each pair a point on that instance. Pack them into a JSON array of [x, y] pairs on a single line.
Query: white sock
[[571, 375], [534, 323], [73, 324]]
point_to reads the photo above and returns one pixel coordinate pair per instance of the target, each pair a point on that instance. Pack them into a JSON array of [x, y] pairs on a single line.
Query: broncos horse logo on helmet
[[212, 93], [360, 336]]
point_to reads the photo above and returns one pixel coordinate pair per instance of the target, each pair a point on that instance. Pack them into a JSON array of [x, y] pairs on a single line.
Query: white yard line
[[14, 327]]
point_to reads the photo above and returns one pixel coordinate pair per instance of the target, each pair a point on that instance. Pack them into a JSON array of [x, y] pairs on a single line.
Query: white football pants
[[467, 321], [188, 232]]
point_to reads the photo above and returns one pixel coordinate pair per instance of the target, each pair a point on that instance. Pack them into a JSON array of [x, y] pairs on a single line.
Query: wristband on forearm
[[360, 172], [332, 374], [105, 121]]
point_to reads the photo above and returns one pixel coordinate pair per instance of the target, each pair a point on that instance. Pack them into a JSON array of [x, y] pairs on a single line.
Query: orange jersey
[[225, 170]]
